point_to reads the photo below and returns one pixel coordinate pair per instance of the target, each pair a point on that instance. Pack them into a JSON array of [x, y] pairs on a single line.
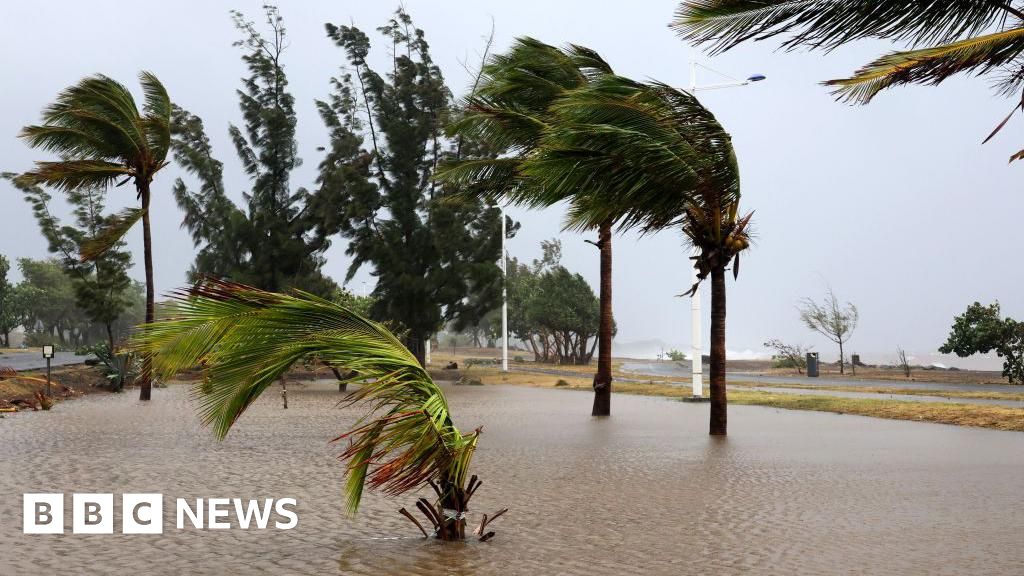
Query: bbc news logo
[[143, 513]]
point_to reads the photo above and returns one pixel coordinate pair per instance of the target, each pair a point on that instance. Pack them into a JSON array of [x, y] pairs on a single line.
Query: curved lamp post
[[696, 334]]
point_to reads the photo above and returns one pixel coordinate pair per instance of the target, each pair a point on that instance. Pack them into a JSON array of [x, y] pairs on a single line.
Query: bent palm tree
[[947, 38], [510, 107], [653, 157], [102, 137], [247, 339]]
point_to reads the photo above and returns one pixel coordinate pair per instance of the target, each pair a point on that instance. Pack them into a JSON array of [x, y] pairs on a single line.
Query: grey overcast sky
[[896, 204]]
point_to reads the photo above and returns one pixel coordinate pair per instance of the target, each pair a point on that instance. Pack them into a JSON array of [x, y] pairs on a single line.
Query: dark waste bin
[[812, 364]]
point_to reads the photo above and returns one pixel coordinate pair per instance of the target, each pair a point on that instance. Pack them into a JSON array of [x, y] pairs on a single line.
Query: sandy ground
[[643, 492]]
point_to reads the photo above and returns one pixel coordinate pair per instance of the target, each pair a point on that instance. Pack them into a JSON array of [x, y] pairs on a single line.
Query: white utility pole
[[504, 298], [696, 332]]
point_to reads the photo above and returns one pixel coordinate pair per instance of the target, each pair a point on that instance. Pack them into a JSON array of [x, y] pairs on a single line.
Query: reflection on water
[[644, 492]]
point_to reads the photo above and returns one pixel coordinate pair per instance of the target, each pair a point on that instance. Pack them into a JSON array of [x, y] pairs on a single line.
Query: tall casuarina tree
[[433, 255], [510, 107], [102, 138], [653, 158]]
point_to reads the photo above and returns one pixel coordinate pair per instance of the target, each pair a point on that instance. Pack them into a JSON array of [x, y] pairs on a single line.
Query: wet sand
[[644, 492]]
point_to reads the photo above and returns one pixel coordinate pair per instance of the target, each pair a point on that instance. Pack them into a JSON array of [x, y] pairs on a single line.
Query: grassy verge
[[979, 415], [961, 394], [983, 416]]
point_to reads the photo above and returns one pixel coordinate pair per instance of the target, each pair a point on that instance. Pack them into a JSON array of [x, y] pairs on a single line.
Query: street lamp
[[48, 354], [696, 335]]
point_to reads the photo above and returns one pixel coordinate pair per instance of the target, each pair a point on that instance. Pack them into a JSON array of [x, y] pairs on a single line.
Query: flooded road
[[644, 492]]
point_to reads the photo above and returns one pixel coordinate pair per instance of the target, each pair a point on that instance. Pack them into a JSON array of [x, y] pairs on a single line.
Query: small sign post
[[48, 354]]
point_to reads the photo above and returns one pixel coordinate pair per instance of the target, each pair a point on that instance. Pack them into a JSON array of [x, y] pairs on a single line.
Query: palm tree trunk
[[603, 378], [146, 378], [718, 399]]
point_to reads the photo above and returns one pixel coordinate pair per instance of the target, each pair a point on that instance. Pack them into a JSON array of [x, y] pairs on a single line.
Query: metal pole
[[48, 377], [696, 335], [504, 298]]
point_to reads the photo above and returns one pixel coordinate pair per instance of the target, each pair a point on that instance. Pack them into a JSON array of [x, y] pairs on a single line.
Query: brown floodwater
[[643, 492]]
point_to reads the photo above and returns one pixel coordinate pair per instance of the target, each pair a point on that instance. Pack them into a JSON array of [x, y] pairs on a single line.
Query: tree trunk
[[603, 378], [718, 398], [841, 363], [414, 342], [451, 509], [146, 377], [110, 337]]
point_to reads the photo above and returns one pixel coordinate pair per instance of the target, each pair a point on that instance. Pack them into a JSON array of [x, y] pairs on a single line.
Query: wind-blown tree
[[247, 338], [981, 329], [102, 138], [832, 320], [14, 303], [982, 38], [509, 106], [653, 158], [102, 285], [51, 314], [272, 243], [434, 256], [553, 310]]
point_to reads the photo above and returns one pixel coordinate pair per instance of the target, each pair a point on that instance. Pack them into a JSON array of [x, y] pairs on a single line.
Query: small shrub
[[518, 359], [120, 367], [675, 355], [561, 382], [45, 402]]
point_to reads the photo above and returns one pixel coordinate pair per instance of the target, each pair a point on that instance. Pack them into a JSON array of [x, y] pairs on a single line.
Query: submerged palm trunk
[[718, 398], [603, 378], [146, 377]]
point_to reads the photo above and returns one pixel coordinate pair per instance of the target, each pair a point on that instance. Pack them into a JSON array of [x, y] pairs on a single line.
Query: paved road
[[682, 371], [33, 359]]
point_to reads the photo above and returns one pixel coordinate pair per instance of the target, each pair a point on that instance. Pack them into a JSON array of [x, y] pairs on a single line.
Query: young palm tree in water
[[247, 339]]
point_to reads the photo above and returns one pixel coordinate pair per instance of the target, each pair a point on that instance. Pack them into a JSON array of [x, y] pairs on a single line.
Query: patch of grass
[[979, 415], [961, 394]]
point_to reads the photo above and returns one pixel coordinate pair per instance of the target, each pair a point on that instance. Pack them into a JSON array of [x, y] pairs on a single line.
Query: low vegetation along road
[[957, 398]]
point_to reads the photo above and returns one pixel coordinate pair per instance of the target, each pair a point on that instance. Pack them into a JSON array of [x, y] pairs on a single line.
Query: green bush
[[121, 367]]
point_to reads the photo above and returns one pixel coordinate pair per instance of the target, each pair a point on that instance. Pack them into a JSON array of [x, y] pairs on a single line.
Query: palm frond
[[73, 174], [157, 119], [115, 229], [931, 65], [247, 338], [827, 24]]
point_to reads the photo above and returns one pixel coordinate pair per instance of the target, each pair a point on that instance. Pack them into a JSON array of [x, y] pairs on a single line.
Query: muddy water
[[645, 492]]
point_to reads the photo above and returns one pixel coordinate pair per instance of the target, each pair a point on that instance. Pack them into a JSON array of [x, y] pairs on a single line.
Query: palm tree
[[509, 107], [102, 137], [247, 339], [651, 157], [946, 38]]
